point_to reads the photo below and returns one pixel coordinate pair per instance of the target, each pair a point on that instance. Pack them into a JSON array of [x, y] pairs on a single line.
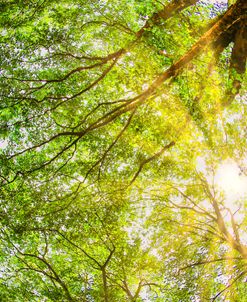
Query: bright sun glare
[[230, 179]]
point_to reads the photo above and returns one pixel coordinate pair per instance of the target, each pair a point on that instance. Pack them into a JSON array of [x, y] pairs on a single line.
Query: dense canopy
[[123, 156]]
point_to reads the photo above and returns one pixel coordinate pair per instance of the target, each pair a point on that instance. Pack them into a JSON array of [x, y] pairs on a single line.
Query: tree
[[106, 108]]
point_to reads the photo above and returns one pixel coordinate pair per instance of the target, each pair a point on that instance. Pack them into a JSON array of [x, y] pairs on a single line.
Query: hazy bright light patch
[[3, 144], [230, 179], [201, 164]]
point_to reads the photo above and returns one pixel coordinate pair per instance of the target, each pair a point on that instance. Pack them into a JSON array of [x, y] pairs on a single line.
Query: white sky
[[3, 144]]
